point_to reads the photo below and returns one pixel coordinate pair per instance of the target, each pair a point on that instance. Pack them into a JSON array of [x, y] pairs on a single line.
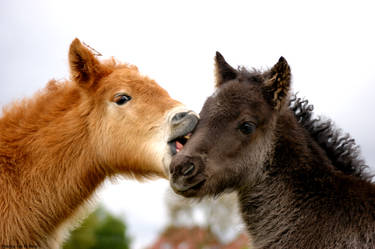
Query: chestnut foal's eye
[[121, 99], [247, 128]]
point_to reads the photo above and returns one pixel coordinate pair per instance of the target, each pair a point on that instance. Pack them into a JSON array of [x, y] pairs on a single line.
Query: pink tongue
[[179, 146]]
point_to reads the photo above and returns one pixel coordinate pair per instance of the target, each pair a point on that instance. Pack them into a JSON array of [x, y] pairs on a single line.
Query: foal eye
[[247, 128], [121, 99]]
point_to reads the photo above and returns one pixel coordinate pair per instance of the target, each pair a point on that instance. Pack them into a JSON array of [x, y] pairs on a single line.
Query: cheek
[[117, 133], [227, 157], [229, 146], [134, 133]]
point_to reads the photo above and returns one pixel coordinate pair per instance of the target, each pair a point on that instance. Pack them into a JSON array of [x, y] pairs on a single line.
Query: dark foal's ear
[[223, 71], [277, 84], [85, 69]]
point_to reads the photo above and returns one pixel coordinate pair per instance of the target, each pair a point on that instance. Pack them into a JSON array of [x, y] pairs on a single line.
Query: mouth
[[189, 191], [178, 143]]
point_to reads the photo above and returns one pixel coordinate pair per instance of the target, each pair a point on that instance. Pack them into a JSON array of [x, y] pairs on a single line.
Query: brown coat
[[57, 147], [301, 183]]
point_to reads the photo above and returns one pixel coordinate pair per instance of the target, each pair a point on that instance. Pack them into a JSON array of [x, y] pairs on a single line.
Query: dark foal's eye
[[247, 128], [121, 99]]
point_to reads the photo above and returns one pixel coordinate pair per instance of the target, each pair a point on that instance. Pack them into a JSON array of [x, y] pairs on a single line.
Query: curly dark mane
[[340, 148]]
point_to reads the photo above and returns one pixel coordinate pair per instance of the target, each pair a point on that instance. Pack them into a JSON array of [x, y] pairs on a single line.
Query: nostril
[[188, 169], [178, 116]]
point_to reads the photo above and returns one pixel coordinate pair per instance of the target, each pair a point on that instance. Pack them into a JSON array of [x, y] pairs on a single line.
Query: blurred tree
[[219, 215], [100, 230]]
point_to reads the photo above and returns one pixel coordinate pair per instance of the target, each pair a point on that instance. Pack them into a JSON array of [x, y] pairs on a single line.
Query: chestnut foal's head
[[133, 122]]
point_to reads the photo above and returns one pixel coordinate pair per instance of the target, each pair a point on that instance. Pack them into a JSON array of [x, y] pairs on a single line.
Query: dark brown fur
[[301, 184]]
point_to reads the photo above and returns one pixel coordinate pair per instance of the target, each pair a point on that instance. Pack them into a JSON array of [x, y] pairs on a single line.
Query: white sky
[[330, 46]]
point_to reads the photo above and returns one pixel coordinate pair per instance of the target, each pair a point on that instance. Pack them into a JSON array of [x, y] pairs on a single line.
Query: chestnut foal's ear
[[223, 71], [84, 67], [277, 84]]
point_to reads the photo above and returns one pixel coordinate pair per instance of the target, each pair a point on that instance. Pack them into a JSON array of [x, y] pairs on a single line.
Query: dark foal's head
[[235, 134]]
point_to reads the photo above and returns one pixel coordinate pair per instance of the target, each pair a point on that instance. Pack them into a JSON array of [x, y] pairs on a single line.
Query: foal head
[[131, 120], [234, 137]]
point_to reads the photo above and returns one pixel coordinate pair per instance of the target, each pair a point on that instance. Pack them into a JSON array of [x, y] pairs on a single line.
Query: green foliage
[[100, 230]]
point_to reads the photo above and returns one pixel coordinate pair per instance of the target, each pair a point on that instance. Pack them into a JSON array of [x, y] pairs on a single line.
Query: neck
[[299, 194], [48, 169]]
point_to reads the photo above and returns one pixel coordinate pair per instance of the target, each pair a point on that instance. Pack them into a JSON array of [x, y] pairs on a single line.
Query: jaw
[[208, 178], [190, 190], [188, 175], [203, 187]]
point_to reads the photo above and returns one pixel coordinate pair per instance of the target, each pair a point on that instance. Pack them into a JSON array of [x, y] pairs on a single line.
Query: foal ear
[[85, 68], [277, 84], [223, 71]]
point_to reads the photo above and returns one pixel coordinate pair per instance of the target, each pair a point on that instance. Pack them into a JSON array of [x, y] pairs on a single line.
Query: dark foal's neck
[[302, 201]]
